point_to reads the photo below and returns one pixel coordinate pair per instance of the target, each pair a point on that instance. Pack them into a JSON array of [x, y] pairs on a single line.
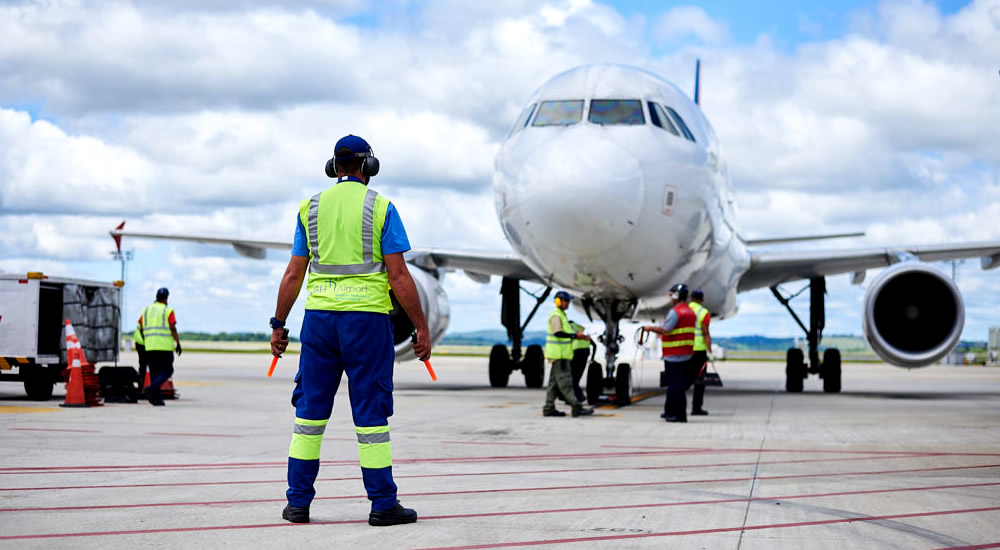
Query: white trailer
[[33, 311]]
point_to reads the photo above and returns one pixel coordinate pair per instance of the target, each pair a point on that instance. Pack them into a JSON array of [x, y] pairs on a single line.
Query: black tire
[[795, 370], [831, 370], [37, 383], [500, 366], [533, 366], [595, 382], [623, 385]]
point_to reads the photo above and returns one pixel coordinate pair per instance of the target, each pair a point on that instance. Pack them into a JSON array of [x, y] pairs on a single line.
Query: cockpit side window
[[680, 123], [661, 119], [522, 119], [616, 111], [559, 113]]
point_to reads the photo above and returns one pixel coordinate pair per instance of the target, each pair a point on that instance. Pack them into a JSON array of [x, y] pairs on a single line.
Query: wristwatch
[[276, 324]]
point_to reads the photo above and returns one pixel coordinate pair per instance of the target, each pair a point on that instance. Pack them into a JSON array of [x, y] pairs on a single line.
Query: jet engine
[[913, 315], [434, 302]]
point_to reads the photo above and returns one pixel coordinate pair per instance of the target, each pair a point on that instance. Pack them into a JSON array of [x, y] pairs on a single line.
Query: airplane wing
[[479, 266], [772, 268]]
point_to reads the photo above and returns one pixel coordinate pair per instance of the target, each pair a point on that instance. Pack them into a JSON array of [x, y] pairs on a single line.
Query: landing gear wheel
[[595, 383], [831, 370], [37, 384], [623, 385], [500, 366], [533, 366], [795, 370]]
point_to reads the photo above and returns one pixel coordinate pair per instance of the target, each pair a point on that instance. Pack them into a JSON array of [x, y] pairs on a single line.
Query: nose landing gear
[[614, 385]]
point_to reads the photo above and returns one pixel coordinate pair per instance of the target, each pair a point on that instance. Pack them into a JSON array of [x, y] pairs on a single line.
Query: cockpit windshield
[[616, 111], [559, 113]]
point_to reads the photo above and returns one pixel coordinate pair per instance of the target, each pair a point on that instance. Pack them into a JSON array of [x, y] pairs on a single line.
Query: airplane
[[612, 184]]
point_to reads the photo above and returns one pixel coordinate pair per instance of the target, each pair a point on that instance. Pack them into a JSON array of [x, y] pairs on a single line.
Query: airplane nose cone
[[580, 194]]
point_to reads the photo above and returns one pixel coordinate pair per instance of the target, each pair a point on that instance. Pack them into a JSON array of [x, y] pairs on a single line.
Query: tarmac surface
[[898, 460]]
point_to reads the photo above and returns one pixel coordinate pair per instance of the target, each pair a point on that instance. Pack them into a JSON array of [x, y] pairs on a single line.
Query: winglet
[[697, 80], [117, 236]]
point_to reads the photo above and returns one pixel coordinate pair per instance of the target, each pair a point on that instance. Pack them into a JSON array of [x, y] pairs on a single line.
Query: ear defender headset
[[562, 298], [369, 166]]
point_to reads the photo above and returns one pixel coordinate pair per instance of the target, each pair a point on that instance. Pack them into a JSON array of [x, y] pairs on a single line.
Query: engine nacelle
[[913, 315], [434, 302]]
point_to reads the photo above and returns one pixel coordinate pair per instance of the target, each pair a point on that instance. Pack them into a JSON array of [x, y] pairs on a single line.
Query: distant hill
[[490, 337]]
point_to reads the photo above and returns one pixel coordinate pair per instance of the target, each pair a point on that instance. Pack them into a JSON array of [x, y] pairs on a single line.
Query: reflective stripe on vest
[[156, 327], [374, 448], [680, 340], [346, 268], [556, 347], [699, 332], [307, 438], [578, 343]]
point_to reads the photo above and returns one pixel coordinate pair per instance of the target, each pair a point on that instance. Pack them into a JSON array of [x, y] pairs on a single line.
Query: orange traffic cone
[[145, 383], [167, 389], [82, 388]]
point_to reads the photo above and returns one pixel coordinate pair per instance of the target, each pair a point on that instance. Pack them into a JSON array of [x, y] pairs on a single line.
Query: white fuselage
[[620, 208]]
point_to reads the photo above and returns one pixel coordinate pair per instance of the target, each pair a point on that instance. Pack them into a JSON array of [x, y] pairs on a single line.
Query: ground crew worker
[[158, 330], [559, 350], [581, 352], [677, 336], [702, 345], [140, 349], [351, 240]]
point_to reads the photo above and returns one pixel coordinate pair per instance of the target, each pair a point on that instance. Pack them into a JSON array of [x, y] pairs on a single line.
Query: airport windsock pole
[[274, 362]]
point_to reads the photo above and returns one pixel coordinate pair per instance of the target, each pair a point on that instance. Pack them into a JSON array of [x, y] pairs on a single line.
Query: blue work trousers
[[360, 344]]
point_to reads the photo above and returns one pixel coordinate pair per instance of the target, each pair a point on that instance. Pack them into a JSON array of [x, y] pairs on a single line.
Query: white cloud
[[690, 20]]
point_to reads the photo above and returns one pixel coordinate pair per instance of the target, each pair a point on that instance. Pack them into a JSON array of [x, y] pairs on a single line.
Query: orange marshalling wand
[[430, 370], [274, 363]]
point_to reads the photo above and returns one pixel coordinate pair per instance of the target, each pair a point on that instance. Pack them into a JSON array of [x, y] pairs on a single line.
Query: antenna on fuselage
[[697, 79]]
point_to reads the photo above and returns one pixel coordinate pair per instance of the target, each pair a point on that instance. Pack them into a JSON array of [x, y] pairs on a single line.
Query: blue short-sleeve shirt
[[393, 235]]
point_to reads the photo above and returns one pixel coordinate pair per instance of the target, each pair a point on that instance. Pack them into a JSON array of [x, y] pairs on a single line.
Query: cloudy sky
[[869, 116]]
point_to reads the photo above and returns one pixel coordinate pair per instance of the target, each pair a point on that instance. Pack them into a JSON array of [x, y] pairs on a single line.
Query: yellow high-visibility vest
[[556, 347], [156, 327], [699, 333]]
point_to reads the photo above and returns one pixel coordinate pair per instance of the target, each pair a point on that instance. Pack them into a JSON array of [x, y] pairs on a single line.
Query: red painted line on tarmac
[[506, 444], [504, 490], [549, 511], [194, 435], [833, 451], [238, 465], [717, 530], [461, 474], [54, 430]]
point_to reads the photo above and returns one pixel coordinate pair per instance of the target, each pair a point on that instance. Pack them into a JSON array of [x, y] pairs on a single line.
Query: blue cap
[[697, 294], [563, 295], [359, 147], [162, 294]]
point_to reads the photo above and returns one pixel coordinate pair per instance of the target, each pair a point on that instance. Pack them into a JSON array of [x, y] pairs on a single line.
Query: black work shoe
[[553, 412], [582, 411], [158, 403], [671, 418], [395, 516], [699, 412], [295, 514]]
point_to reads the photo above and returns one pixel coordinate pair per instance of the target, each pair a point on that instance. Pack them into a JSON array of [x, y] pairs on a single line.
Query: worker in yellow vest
[[559, 350], [158, 330], [702, 352], [351, 241]]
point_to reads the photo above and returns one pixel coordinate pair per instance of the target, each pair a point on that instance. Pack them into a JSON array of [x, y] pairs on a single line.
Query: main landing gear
[[609, 386], [502, 362], [796, 369]]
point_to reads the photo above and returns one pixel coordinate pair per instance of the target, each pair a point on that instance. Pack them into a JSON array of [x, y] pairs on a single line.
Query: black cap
[[162, 294]]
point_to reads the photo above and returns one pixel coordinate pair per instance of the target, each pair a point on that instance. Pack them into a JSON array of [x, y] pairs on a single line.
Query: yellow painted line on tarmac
[[13, 410]]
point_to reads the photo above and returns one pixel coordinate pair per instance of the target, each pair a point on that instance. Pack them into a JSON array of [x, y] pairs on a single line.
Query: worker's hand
[[422, 344], [178, 348], [582, 336], [279, 341]]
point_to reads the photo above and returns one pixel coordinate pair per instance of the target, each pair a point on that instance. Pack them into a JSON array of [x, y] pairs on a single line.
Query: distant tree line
[[227, 336]]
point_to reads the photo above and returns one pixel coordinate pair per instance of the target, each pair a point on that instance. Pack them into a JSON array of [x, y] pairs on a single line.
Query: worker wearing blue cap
[[350, 240], [158, 330]]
